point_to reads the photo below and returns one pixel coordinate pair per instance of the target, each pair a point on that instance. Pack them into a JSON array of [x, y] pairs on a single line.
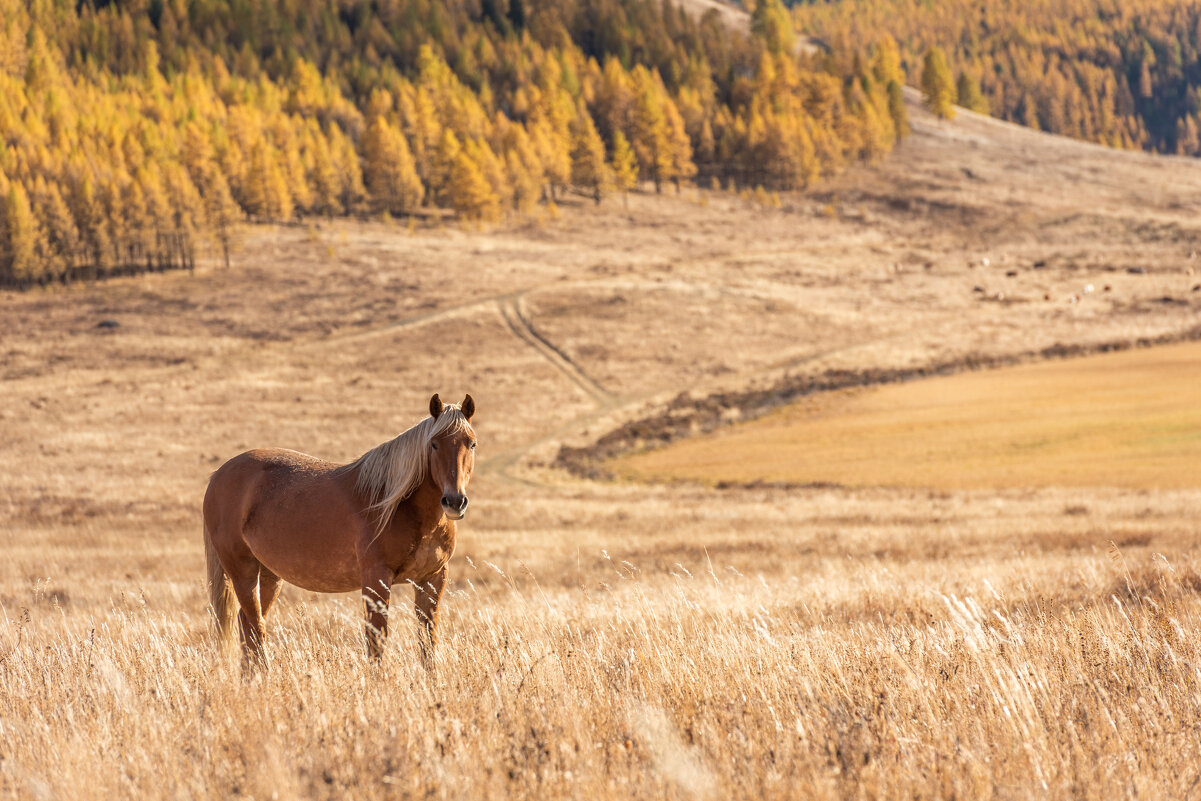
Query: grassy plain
[[615, 639], [1127, 419]]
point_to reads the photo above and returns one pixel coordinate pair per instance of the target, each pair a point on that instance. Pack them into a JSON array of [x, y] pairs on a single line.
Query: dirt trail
[[417, 319], [511, 312]]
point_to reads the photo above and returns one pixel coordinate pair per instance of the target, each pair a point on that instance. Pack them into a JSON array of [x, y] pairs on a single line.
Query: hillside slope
[[976, 238]]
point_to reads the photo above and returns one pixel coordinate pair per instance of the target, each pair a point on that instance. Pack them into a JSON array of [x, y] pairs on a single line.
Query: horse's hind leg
[[245, 579], [269, 587], [253, 630]]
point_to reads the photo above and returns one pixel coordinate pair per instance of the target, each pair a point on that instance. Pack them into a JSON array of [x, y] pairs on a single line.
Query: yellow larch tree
[[938, 87], [265, 194], [492, 168], [470, 194], [523, 169], [20, 235], [589, 170], [968, 95], [61, 231], [320, 172], [679, 144], [439, 182], [348, 167], [651, 134], [391, 172], [623, 163]]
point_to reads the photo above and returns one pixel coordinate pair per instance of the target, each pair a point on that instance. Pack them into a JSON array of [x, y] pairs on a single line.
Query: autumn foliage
[[137, 133], [1124, 73]]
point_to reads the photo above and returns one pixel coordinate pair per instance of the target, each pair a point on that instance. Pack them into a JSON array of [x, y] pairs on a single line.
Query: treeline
[[135, 132], [1125, 73]]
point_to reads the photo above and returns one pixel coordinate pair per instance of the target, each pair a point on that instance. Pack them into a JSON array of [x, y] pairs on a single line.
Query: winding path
[[511, 312]]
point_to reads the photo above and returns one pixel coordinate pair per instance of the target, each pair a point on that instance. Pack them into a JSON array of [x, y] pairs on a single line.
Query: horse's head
[[452, 457]]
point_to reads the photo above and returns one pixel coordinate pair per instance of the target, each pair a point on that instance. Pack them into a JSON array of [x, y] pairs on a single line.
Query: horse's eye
[[434, 445], [473, 446]]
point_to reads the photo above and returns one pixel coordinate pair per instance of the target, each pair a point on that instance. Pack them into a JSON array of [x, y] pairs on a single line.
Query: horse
[[274, 515]]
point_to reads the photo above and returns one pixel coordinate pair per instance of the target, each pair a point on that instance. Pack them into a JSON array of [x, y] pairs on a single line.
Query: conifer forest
[[136, 132]]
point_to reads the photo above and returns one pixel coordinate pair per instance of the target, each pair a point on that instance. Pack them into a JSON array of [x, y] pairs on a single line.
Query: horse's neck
[[425, 504]]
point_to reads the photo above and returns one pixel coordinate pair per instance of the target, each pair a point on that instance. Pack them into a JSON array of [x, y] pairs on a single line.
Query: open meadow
[[1127, 419], [793, 637]]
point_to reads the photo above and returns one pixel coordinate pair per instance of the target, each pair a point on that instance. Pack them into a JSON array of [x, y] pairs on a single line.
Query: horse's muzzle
[[455, 506]]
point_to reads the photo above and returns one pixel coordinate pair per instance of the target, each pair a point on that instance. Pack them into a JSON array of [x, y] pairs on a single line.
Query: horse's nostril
[[463, 503], [446, 500]]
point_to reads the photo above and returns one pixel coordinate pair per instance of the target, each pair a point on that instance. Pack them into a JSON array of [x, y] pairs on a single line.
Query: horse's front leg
[[427, 596], [377, 591]]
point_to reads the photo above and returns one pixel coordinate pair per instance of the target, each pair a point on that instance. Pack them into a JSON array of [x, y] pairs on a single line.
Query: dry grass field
[[615, 639], [1127, 419]]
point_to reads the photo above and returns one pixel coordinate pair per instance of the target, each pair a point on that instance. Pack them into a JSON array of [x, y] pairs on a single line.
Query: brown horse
[[277, 515]]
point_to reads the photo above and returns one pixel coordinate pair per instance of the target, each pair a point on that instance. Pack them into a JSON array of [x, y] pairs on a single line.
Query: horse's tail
[[221, 592]]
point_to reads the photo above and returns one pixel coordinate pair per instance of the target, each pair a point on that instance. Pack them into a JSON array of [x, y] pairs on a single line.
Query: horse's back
[[235, 484], [275, 459]]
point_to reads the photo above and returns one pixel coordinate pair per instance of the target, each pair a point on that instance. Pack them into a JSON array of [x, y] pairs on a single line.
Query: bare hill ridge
[[736, 18], [732, 16]]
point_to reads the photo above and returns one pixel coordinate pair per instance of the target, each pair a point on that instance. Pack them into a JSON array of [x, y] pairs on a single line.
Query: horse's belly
[[311, 563], [328, 581], [305, 548]]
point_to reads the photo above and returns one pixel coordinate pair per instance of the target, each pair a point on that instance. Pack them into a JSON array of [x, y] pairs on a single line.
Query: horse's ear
[[435, 406], [468, 407]]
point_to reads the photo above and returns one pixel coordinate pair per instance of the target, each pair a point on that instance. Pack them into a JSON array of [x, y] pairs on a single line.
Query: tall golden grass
[[680, 681]]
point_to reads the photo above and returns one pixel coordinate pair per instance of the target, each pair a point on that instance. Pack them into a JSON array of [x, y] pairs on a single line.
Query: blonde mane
[[391, 472]]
